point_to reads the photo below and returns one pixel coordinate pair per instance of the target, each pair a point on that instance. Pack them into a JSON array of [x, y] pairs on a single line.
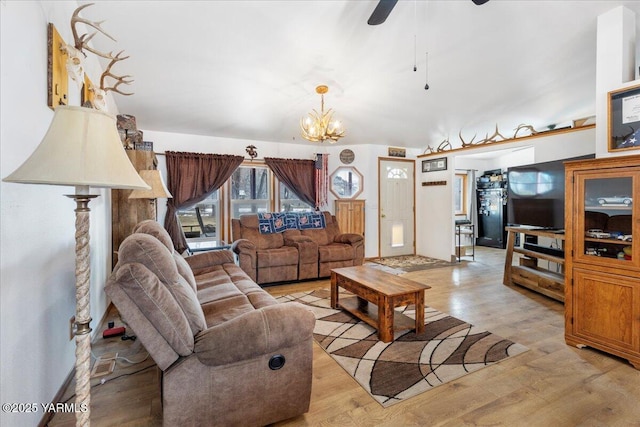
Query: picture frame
[[623, 114], [433, 165], [397, 152]]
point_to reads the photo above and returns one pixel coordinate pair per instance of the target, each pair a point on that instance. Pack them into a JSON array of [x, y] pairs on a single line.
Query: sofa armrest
[[259, 332], [307, 250], [350, 238], [243, 246], [202, 261]]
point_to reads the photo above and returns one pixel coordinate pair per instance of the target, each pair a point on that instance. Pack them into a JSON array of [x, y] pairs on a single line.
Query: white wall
[[37, 258]]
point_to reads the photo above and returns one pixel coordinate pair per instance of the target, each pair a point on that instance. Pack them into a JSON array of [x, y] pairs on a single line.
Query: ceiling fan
[[384, 8]]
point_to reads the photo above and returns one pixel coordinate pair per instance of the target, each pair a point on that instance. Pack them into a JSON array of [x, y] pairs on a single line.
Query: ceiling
[[248, 69]]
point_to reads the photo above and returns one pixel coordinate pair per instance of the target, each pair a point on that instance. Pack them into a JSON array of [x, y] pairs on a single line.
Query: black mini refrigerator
[[491, 195]]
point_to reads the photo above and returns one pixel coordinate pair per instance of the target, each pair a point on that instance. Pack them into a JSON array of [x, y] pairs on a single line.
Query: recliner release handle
[[276, 362]]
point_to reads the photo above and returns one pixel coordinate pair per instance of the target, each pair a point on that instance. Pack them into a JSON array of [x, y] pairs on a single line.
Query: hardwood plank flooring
[[550, 385]]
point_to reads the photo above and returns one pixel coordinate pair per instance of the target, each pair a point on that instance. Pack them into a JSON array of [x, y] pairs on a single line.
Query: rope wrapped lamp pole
[[83, 310]]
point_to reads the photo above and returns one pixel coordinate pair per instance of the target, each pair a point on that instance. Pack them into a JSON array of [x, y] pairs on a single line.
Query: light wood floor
[[550, 385]]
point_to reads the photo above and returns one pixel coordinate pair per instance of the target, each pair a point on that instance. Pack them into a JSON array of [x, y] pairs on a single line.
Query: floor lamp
[[82, 149]]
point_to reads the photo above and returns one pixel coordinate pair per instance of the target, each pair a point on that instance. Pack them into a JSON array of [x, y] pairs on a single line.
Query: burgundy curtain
[[191, 178], [298, 175]]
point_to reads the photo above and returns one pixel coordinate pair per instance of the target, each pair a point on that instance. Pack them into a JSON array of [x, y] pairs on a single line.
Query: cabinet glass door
[[607, 207]]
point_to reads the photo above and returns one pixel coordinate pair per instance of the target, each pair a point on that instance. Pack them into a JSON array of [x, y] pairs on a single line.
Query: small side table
[[467, 229]]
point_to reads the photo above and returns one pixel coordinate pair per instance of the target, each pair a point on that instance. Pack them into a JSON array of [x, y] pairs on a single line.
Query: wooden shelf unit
[[602, 305], [468, 231], [528, 273]]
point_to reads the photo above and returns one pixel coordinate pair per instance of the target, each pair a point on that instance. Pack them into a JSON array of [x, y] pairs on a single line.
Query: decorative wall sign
[[143, 145], [57, 76], [397, 152], [347, 156], [624, 119], [432, 165]]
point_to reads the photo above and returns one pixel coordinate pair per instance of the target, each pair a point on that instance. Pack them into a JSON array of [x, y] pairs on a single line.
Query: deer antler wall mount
[[73, 55], [445, 145]]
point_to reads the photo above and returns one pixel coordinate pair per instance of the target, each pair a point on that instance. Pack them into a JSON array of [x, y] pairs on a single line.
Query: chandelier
[[320, 127]]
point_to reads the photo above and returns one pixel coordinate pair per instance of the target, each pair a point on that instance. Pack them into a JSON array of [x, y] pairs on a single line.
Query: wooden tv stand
[[528, 273]]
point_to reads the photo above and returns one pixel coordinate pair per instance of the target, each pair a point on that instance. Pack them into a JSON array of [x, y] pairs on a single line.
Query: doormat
[[381, 267], [412, 363], [409, 263]]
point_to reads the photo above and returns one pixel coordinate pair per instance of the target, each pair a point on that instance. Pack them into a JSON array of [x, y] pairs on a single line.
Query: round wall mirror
[[346, 182]]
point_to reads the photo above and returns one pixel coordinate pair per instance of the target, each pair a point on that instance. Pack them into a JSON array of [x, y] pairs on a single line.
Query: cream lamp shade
[[158, 190], [81, 148]]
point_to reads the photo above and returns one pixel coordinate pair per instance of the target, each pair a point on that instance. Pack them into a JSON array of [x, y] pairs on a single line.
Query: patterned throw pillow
[[271, 222]]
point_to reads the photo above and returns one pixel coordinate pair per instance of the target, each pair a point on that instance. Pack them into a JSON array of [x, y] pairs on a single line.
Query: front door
[[396, 182]]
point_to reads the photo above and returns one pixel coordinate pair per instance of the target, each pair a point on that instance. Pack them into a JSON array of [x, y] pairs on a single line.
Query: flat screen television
[[535, 194]]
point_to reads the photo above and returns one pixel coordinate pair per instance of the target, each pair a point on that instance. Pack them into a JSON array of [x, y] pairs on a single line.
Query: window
[[250, 190], [346, 182], [460, 194], [200, 222], [396, 173], [289, 202]]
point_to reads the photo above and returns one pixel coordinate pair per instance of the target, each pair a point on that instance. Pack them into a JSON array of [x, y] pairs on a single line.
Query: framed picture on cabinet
[[433, 165], [624, 119]]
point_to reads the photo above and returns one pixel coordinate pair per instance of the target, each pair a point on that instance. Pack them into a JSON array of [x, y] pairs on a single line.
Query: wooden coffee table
[[384, 290]]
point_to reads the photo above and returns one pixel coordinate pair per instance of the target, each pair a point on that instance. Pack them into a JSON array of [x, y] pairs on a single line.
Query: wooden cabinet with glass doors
[[602, 255]]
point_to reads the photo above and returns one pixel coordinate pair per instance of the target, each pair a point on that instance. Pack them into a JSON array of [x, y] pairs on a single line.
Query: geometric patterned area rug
[[411, 364], [409, 263]]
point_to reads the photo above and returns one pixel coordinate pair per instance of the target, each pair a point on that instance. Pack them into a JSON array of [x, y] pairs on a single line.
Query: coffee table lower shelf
[[368, 313]]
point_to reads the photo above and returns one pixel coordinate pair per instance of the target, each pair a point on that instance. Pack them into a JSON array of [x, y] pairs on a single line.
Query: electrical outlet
[[72, 327]]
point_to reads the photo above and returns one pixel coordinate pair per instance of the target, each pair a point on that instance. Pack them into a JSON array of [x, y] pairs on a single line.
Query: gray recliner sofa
[[230, 354]]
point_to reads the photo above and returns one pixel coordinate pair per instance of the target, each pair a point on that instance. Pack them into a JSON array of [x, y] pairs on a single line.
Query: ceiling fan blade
[[382, 11], [479, 2]]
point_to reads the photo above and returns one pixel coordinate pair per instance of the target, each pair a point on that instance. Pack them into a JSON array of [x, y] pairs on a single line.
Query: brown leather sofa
[[293, 254], [229, 353]]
